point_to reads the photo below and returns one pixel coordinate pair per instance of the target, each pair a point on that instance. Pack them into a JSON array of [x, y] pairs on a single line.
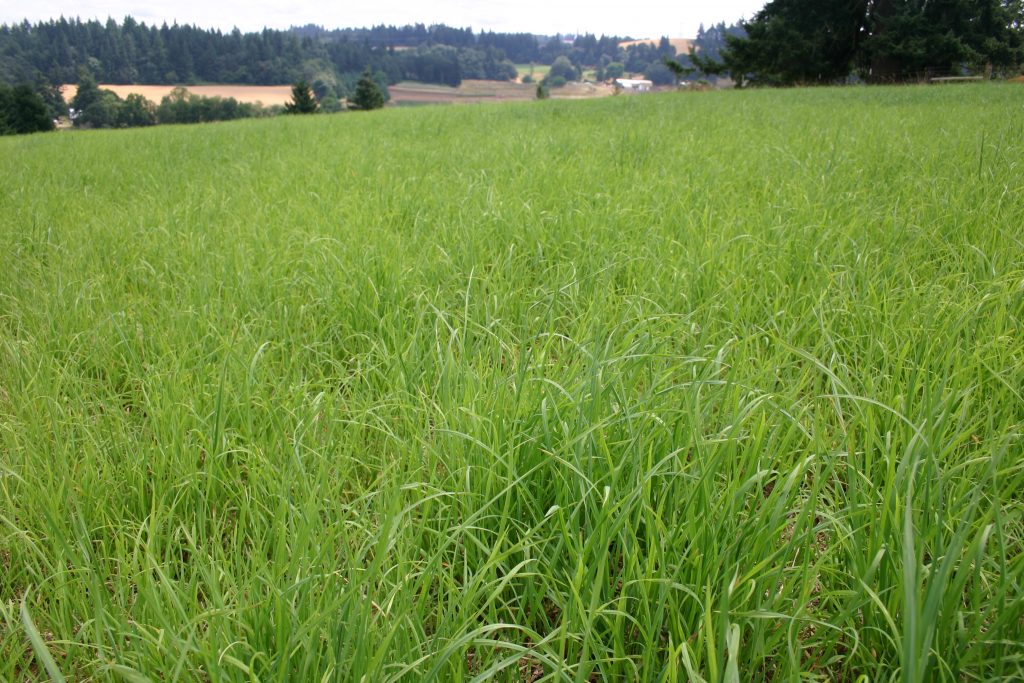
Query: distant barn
[[634, 84]]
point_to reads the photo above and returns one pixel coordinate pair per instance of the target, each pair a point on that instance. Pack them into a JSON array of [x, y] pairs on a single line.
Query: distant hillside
[[133, 52], [130, 52]]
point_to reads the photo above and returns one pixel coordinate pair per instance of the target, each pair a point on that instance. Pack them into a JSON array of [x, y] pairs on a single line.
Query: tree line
[[24, 110], [55, 51], [791, 42], [95, 107], [132, 52]]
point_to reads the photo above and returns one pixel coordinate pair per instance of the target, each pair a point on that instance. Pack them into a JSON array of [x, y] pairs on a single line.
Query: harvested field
[[682, 45], [535, 71], [406, 92], [265, 94]]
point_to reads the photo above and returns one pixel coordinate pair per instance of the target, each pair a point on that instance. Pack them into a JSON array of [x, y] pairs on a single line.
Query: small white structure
[[633, 84]]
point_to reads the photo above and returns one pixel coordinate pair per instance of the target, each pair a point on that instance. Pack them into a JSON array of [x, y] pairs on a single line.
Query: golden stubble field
[[682, 45], [264, 94]]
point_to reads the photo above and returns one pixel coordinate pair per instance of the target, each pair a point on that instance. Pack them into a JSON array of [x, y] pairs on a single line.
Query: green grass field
[[719, 386], [538, 71]]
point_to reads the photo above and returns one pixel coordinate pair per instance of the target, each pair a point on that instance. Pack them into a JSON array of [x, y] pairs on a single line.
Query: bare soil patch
[[408, 92], [488, 91]]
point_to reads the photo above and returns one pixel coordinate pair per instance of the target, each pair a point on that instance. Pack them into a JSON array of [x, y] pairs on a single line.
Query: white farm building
[[633, 84]]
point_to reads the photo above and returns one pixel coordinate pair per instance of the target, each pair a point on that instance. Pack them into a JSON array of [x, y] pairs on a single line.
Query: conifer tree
[[367, 95], [679, 72], [823, 41], [303, 100]]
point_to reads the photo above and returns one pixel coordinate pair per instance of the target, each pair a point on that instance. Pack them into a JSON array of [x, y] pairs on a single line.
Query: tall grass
[[708, 387]]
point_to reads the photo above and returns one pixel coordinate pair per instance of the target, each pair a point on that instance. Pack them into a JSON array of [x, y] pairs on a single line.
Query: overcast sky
[[640, 18]]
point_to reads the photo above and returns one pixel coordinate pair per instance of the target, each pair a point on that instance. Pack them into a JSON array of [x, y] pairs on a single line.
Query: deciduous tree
[[22, 110], [95, 107], [136, 110], [564, 68], [614, 70]]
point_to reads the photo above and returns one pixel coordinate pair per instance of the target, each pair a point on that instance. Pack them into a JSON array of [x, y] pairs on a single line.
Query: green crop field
[[538, 71], [717, 386]]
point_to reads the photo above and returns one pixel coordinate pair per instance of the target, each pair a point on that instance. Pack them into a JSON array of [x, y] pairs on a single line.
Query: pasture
[[537, 71], [710, 386]]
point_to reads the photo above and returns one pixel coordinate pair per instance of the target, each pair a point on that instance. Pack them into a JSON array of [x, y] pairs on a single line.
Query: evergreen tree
[[914, 39], [799, 41], [368, 94], [303, 100], [679, 72], [823, 41]]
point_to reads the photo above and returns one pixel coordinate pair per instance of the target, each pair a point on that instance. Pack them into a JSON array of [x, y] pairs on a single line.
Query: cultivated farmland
[[403, 93], [475, 92], [716, 386], [267, 95]]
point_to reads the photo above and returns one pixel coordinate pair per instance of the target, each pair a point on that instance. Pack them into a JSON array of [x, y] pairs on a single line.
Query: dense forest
[[132, 52], [58, 51]]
